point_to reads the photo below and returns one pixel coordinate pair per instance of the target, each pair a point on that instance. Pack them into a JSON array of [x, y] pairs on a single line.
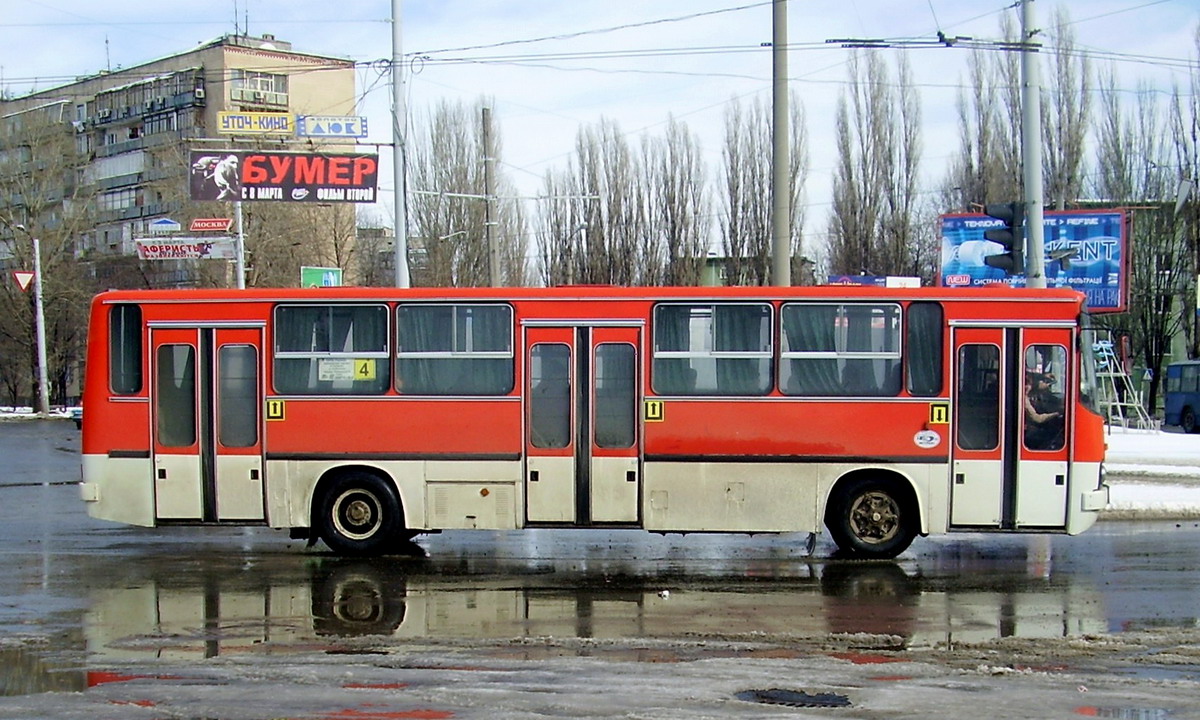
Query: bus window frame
[[455, 354], [277, 354]]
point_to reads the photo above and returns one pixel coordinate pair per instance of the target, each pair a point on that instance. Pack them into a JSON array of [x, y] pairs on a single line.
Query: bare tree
[[1185, 130], [678, 223], [1066, 109], [873, 227], [1133, 155], [40, 172], [987, 165], [449, 204], [746, 191]]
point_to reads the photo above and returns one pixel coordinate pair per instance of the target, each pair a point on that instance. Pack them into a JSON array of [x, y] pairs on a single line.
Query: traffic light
[[1011, 236]]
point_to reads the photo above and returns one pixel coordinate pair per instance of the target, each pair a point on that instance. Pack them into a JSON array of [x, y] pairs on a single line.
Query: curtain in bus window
[[175, 399], [672, 375], [924, 348], [871, 330], [331, 349], [810, 329], [454, 350], [742, 329]]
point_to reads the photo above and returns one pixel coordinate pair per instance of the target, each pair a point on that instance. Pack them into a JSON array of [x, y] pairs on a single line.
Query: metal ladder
[[1119, 400]]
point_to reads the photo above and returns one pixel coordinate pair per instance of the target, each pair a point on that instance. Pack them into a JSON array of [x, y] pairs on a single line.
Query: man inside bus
[[1043, 414]]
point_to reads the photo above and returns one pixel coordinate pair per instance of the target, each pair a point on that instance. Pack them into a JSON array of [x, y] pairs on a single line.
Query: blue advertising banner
[[1098, 268]]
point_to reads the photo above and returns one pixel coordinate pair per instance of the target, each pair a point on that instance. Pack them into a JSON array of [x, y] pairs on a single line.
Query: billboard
[[283, 176], [186, 248], [1098, 269]]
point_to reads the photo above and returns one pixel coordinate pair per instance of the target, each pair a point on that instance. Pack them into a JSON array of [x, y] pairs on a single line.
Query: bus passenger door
[[1043, 469], [207, 400], [583, 439], [1009, 472], [981, 384]]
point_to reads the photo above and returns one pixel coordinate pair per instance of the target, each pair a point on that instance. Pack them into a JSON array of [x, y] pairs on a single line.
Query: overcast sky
[[630, 61]]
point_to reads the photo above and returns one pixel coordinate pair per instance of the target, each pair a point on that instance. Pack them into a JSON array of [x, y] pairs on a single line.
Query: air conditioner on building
[[149, 105], [199, 93], [105, 114]]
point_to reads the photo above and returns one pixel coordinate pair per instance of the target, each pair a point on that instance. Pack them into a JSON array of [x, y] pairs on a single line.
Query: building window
[[249, 86]]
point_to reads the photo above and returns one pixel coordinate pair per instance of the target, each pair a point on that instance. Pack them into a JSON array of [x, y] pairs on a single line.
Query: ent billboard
[[1099, 268]]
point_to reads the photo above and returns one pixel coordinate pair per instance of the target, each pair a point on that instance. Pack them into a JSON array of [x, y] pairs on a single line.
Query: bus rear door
[[206, 423], [583, 436], [1007, 473]]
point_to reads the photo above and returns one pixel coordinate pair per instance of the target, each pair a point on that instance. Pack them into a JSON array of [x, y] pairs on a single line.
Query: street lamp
[[39, 324]]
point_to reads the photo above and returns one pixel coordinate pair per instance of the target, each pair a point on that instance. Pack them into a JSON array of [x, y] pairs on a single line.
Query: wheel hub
[[875, 517]]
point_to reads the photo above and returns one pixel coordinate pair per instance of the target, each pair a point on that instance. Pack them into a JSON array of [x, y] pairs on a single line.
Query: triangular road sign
[[24, 277]]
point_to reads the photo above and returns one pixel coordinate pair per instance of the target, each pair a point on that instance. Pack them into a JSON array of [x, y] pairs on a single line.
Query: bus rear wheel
[[872, 518], [1187, 420], [359, 514]]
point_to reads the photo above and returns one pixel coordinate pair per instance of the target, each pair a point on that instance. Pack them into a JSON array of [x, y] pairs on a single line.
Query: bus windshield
[[1088, 385]]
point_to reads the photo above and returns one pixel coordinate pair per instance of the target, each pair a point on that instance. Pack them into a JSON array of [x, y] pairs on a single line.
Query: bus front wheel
[[359, 514], [872, 518], [1187, 421]]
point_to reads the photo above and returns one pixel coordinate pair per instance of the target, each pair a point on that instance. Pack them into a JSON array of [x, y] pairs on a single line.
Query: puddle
[[1121, 713]]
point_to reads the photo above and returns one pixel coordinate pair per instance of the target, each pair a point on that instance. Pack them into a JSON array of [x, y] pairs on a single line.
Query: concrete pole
[[781, 202], [489, 201], [240, 262], [40, 330], [399, 134], [1031, 153]]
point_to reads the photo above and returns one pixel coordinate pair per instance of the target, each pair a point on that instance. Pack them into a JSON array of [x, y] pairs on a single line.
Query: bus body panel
[[750, 463], [119, 489]]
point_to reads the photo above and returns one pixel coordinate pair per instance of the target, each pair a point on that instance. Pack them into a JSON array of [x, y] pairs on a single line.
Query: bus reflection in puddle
[[319, 603]]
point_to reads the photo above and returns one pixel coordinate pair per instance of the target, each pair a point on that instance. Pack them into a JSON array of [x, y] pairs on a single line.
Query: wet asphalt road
[[97, 595]]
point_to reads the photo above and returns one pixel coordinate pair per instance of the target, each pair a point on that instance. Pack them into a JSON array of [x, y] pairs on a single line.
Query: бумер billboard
[[1098, 268], [283, 176]]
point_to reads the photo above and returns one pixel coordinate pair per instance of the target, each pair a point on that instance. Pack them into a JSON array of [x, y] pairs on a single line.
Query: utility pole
[[781, 201], [399, 133], [489, 201], [1031, 152]]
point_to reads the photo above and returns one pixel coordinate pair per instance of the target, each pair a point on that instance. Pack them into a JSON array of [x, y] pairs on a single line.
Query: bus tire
[[359, 514], [1187, 420], [869, 517]]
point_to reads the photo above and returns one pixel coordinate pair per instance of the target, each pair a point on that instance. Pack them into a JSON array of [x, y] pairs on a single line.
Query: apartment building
[[130, 131]]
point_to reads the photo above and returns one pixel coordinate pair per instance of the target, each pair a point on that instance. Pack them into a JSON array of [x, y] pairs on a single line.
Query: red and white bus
[[366, 416]]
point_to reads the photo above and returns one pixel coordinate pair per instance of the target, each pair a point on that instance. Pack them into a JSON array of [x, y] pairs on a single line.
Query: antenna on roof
[[235, 19], [107, 57]]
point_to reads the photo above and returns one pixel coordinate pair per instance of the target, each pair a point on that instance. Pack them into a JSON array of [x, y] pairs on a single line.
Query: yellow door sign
[[939, 413], [274, 409], [654, 411]]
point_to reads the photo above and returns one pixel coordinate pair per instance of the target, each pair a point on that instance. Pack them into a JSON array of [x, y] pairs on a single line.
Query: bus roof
[[597, 292]]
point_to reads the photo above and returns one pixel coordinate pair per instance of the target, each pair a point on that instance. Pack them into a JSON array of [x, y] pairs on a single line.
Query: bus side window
[[125, 349], [923, 348]]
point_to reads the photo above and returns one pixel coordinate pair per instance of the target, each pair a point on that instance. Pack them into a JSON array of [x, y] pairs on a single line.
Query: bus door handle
[[1060, 479], [533, 476], [960, 478]]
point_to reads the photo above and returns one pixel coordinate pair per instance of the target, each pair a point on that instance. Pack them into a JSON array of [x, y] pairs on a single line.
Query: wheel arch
[[891, 476], [330, 475]]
